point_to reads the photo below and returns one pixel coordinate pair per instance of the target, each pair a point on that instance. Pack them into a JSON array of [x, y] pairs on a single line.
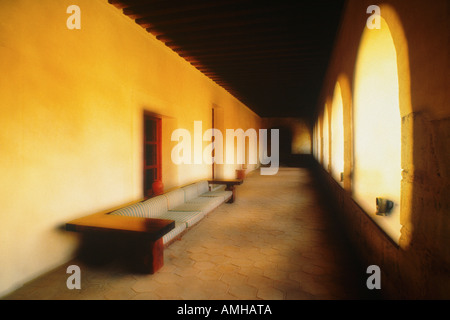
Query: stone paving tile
[[209, 275], [233, 279], [146, 296], [145, 285], [120, 294], [243, 291], [270, 293], [266, 246]]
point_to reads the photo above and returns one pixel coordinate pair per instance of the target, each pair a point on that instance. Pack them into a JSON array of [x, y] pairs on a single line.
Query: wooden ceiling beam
[[252, 70], [283, 77], [228, 12], [255, 60], [250, 48], [265, 69], [247, 54], [120, 4], [212, 27], [165, 8], [258, 30], [242, 40]]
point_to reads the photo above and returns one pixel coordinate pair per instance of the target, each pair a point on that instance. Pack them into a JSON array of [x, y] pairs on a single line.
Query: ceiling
[[271, 55]]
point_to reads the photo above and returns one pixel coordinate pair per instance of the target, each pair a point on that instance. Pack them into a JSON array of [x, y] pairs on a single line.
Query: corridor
[[278, 241]]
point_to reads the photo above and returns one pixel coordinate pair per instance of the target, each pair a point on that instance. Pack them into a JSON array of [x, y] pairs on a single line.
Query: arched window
[[316, 141], [325, 139], [319, 140], [337, 135], [377, 128]]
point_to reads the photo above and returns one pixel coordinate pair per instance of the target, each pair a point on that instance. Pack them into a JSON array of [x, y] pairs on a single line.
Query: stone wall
[[417, 266]]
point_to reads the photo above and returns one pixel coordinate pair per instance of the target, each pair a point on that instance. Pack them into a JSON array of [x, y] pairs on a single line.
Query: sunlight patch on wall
[[337, 135], [315, 141], [377, 127], [325, 140]]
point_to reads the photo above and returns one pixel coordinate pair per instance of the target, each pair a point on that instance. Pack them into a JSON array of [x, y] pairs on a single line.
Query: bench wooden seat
[[141, 238], [230, 186]]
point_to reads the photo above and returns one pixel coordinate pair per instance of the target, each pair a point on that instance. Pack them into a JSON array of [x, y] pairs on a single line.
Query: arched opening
[[326, 139], [377, 128], [337, 135], [319, 140], [316, 141]]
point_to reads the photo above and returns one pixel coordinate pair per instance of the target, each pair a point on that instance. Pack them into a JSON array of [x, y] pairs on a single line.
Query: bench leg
[[150, 257], [157, 255], [143, 255], [139, 253], [233, 190]]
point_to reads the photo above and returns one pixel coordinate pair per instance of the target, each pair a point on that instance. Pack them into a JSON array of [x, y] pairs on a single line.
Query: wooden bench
[[230, 186], [140, 238]]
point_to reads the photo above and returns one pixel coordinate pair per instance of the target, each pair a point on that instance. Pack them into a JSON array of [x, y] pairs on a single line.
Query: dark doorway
[[152, 153]]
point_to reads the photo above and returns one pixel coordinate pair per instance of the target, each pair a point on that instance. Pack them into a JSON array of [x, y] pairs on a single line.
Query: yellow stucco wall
[[71, 110]]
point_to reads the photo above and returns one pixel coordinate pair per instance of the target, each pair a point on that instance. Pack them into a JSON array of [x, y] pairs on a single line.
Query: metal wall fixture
[[384, 207]]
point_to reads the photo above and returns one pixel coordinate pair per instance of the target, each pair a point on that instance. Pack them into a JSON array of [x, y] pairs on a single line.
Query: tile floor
[[276, 242]]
